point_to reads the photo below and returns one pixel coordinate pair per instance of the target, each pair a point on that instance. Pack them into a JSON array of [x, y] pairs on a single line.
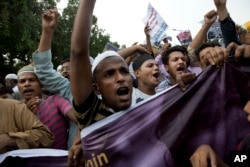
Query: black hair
[[139, 60], [6, 89], [166, 53], [65, 60], [203, 46], [2, 81]]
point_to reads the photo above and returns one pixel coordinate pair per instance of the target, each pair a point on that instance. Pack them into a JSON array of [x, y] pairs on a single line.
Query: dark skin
[[113, 74]]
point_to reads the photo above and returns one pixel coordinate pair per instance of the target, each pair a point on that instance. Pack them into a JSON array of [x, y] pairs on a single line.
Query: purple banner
[[166, 129], [35, 158]]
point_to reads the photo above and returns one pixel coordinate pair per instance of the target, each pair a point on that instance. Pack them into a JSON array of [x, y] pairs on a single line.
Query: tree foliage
[[20, 31]]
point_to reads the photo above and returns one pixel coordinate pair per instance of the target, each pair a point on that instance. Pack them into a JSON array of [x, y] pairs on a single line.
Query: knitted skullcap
[[102, 56], [140, 60], [28, 68]]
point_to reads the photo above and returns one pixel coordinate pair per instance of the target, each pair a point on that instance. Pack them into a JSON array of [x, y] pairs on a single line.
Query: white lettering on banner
[[155, 22]]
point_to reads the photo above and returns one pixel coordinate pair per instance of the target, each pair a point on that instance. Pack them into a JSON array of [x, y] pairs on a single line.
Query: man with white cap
[[109, 76], [11, 80]]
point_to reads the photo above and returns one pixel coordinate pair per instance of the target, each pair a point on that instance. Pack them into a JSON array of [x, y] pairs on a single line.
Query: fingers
[[233, 47], [211, 14], [33, 103], [204, 156], [222, 55], [212, 158], [215, 56], [184, 78], [199, 159], [74, 156], [180, 82], [247, 107], [238, 52], [70, 158], [134, 43]]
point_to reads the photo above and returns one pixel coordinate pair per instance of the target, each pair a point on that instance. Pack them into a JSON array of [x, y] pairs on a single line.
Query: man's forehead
[[176, 54], [26, 74], [65, 64]]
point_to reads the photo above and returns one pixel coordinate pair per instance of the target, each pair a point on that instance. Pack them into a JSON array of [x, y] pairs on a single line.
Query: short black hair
[[65, 60], [139, 60], [166, 53], [6, 89], [203, 46]]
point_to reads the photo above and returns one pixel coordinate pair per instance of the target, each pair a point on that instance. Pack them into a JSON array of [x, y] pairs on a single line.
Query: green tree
[[20, 31], [98, 38]]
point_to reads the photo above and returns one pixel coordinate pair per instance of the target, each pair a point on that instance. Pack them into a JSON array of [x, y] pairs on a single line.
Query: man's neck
[[146, 89]]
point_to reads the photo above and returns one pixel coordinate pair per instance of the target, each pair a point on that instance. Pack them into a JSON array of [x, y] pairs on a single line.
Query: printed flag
[[185, 37]]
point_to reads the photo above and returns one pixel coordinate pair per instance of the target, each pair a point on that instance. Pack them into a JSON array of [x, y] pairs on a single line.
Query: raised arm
[[125, 53], [148, 41], [221, 9], [42, 58], [81, 76], [49, 23], [209, 19], [227, 25]]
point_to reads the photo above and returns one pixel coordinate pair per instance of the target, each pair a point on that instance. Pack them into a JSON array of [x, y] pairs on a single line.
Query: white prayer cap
[[11, 76], [59, 68], [100, 57], [91, 60]]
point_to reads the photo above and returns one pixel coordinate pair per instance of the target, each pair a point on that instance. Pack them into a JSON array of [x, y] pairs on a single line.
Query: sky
[[122, 19]]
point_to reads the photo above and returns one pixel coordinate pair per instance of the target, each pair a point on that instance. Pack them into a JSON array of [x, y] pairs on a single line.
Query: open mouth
[[156, 75], [180, 69], [122, 91], [27, 91], [66, 76]]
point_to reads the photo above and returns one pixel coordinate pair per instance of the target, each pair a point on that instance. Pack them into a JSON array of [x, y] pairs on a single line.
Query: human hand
[[215, 56], [210, 17], [33, 104], [135, 43], [204, 156], [184, 78], [239, 50], [140, 49], [50, 20], [147, 30], [247, 110], [75, 157], [4, 140]]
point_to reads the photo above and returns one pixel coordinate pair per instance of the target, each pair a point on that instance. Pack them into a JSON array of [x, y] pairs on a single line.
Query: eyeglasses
[[66, 68]]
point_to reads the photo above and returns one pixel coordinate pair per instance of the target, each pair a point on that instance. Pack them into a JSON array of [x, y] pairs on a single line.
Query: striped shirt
[[91, 111], [52, 112]]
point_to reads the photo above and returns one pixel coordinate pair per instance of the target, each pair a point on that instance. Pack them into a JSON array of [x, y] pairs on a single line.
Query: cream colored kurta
[[22, 125]]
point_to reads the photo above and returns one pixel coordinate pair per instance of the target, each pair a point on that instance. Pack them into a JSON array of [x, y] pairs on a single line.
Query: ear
[[96, 88], [137, 74]]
